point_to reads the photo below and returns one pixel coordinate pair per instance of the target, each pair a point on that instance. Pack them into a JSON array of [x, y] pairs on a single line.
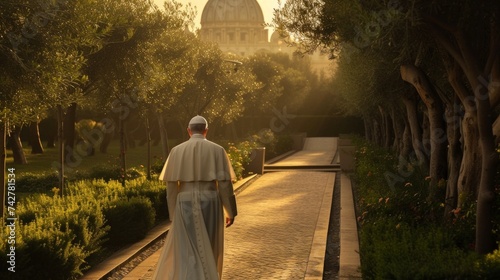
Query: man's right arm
[[228, 198]]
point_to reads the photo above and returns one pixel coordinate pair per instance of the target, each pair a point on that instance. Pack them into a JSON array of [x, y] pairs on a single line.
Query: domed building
[[238, 27]]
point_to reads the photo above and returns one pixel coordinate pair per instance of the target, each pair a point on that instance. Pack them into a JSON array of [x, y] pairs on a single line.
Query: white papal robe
[[199, 194]]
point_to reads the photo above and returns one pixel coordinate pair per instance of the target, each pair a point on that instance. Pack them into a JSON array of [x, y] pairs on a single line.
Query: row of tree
[[425, 77], [125, 61]]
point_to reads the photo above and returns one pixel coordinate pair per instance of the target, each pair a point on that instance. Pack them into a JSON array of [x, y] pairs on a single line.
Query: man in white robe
[[199, 194]]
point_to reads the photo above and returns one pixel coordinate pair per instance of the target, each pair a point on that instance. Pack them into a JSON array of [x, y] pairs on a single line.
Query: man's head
[[198, 125]]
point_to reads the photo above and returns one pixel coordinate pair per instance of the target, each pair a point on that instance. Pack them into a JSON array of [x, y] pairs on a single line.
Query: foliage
[[391, 250], [37, 182], [400, 230], [157, 165], [269, 74], [57, 237], [46, 181], [129, 220], [454, 44], [240, 155], [43, 251], [109, 172], [489, 266], [283, 144], [155, 191]]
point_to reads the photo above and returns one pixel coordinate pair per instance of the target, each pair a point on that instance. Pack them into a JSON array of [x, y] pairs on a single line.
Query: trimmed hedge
[[56, 237], [37, 182], [129, 220], [45, 182]]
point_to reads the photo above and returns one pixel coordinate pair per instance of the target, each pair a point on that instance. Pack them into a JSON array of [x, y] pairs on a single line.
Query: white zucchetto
[[198, 120]]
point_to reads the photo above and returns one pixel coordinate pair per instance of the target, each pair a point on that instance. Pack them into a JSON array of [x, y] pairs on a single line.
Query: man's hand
[[229, 221]]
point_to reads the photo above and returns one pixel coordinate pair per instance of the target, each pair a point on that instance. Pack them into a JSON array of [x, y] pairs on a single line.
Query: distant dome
[[232, 11]]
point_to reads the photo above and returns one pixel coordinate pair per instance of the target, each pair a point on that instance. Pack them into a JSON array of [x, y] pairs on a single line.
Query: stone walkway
[[273, 235]]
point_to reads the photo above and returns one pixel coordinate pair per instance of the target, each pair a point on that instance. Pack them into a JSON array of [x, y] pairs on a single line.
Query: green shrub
[[99, 189], [391, 250], [75, 215], [403, 235], [155, 191], [129, 220], [37, 182], [108, 192], [58, 236], [79, 214], [110, 172], [239, 155], [284, 143], [489, 266], [157, 165], [46, 249]]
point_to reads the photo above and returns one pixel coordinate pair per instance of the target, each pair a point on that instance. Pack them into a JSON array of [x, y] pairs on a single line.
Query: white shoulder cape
[[197, 160]]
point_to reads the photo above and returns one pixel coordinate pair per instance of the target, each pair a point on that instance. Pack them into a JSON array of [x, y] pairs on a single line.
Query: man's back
[[197, 160]]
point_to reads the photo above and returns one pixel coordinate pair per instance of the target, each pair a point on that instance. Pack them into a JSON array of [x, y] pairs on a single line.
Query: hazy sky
[[267, 7]]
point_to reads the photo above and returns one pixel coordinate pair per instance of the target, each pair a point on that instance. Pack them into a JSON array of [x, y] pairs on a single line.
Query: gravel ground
[[125, 269]]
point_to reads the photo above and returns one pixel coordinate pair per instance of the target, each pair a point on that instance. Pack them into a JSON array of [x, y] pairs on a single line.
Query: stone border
[[350, 262], [117, 260], [316, 263]]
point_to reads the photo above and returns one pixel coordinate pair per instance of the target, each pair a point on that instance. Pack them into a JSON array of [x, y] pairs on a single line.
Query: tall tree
[[438, 153], [478, 55], [465, 30], [168, 65], [216, 90], [11, 70], [133, 74]]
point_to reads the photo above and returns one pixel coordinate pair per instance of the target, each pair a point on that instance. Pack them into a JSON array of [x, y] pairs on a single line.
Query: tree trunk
[[163, 135], [410, 103], [129, 134], [454, 157], [17, 146], [50, 124], [69, 126], [426, 136], [406, 147], [387, 133], [109, 133], [398, 127], [148, 138], [485, 241], [368, 128], [60, 141], [470, 169], [438, 140], [36, 143], [3, 166], [458, 46], [377, 132], [123, 148], [383, 126]]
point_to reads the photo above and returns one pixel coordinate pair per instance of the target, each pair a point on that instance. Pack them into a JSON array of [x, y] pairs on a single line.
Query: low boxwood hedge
[[55, 237]]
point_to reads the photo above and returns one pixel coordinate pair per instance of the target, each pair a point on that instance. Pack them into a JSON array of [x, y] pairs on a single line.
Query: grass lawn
[[48, 161]]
